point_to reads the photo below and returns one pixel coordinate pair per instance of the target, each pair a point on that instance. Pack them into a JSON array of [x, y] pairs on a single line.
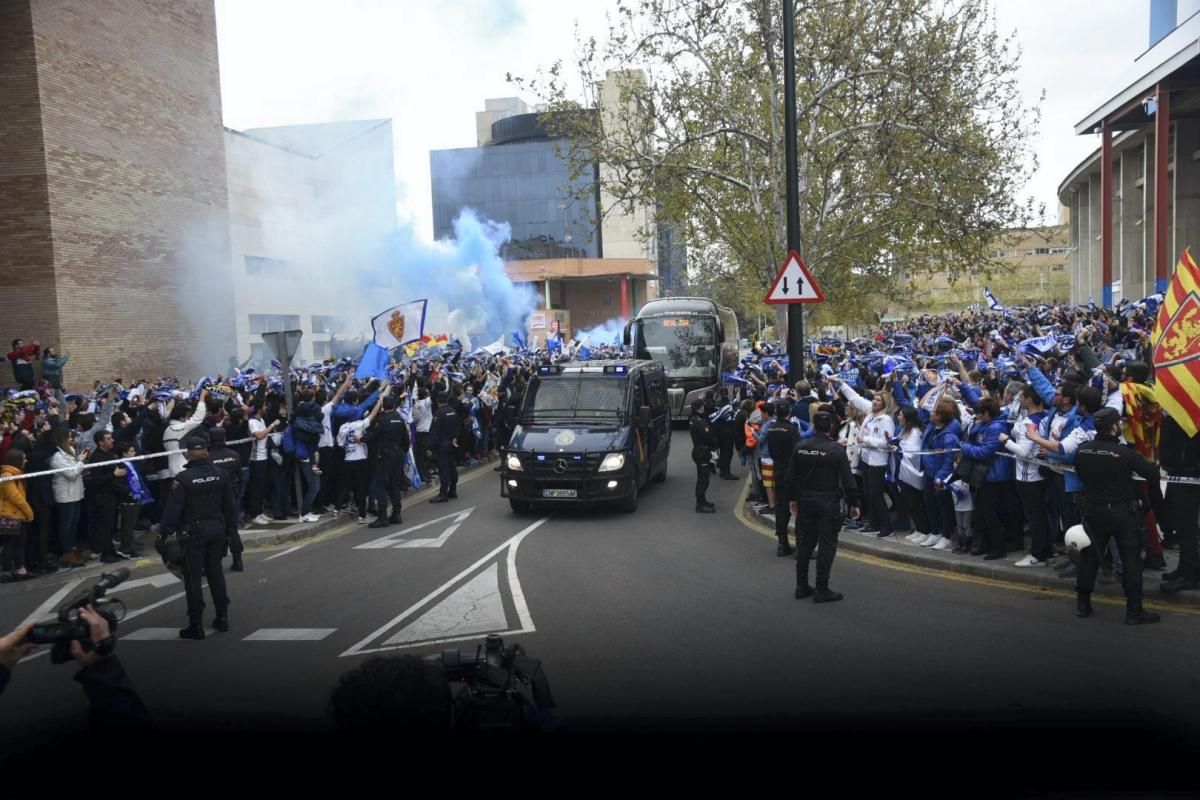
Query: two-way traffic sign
[[794, 283]]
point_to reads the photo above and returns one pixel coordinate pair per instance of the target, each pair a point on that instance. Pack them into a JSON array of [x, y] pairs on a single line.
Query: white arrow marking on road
[[157, 581], [470, 593], [52, 602], [391, 540], [289, 634]]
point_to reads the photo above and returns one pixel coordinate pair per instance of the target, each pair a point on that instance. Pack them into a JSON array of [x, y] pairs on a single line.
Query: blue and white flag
[[1039, 344], [1091, 303], [1150, 304], [992, 302], [516, 335], [373, 364], [399, 324]]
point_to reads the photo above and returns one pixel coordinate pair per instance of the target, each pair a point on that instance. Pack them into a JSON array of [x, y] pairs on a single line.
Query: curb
[[1037, 577]]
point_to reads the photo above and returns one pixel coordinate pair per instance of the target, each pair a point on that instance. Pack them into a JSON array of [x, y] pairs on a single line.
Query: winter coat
[[983, 444], [940, 467], [68, 485], [12, 496], [874, 433]]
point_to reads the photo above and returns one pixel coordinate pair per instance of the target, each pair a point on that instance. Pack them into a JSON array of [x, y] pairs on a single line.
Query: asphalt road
[[660, 619]]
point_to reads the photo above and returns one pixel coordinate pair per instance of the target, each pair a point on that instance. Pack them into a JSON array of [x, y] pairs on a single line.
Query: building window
[[1041, 251], [322, 350], [268, 323], [326, 324], [1058, 251], [261, 267], [1057, 268]]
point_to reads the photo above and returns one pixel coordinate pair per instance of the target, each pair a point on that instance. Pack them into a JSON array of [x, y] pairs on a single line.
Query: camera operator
[[114, 701]]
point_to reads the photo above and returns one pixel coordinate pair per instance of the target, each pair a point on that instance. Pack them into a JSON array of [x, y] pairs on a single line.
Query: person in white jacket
[[848, 438], [912, 480], [178, 428], [1031, 485], [68, 492], [873, 436]]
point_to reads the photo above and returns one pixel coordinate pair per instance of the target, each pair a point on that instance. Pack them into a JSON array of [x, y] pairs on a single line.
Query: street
[[659, 619]]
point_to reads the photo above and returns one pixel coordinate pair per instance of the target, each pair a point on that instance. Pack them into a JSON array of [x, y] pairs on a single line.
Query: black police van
[[588, 432]]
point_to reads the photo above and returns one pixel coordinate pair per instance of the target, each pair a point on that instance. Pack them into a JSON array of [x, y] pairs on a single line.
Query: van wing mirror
[[644, 417], [628, 337]]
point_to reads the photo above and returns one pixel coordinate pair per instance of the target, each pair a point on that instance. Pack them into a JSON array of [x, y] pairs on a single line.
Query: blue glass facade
[[525, 184]]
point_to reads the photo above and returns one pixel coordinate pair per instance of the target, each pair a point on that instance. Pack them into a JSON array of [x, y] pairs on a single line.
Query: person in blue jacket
[[983, 443], [944, 432]]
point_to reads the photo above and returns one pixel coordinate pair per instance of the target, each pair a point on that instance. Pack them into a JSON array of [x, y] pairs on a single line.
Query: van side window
[[656, 387]]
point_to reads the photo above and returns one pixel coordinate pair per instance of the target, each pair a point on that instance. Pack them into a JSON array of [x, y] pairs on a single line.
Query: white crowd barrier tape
[[1054, 465], [114, 462]]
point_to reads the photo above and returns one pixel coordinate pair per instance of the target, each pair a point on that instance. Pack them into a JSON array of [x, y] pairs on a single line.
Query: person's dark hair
[[305, 396], [783, 410], [822, 422], [768, 409], [1031, 394], [16, 343], [351, 397], [1115, 371], [14, 457], [440, 398], [803, 388], [1089, 397], [1068, 389], [86, 421], [1137, 371], [390, 693], [180, 411], [989, 406], [910, 419], [389, 403]]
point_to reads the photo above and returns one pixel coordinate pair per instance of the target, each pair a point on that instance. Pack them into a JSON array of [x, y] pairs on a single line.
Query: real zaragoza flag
[[1177, 346]]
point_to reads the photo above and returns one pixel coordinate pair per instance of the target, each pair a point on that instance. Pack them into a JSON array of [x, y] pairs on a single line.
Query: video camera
[[70, 626], [501, 689]]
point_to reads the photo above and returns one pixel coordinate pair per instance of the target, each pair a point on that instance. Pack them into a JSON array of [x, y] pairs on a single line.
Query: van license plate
[[559, 493]]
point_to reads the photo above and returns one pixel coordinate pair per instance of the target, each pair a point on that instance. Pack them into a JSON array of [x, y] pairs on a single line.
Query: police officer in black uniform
[[229, 462], [703, 442], [1180, 457], [818, 476], [1106, 466], [387, 445], [721, 420], [443, 439], [200, 511], [782, 439]]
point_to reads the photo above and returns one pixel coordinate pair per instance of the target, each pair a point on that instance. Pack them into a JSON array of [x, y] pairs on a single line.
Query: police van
[[588, 432]]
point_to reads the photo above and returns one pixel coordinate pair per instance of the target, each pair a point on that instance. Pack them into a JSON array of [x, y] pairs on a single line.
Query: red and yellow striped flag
[[1177, 346]]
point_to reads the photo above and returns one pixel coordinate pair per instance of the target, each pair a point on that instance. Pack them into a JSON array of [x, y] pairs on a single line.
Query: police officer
[[1106, 466], [229, 462], [721, 420], [443, 439], [703, 442], [387, 445], [1180, 456], [201, 512], [818, 469], [782, 439]]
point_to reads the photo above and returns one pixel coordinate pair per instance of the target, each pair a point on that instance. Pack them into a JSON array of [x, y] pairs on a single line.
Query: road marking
[[391, 540], [157, 581], [289, 634], [285, 552], [474, 608], [52, 602], [885, 563], [454, 587]]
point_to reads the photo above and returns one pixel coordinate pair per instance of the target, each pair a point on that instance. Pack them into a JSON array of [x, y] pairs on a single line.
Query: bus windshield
[[568, 398], [686, 346]]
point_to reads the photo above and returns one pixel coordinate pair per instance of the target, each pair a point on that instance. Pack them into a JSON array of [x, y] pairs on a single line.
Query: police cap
[[196, 440], [1106, 417]]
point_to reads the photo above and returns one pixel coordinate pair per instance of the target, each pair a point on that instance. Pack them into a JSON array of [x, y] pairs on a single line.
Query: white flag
[[399, 324]]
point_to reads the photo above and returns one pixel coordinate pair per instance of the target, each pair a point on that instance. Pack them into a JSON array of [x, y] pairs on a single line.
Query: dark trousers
[[68, 524], [127, 522], [420, 457], [725, 448], [1122, 523], [1184, 502], [280, 479], [389, 484], [202, 557], [939, 508], [331, 468], [1014, 518], [104, 524], [702, 473], [1033, 502], [356, 477], [818, 520], [12, 549], [447, 469], [39, 537], [914, 505], [783, 515], [256, 488], [875, 479], [988, 501]]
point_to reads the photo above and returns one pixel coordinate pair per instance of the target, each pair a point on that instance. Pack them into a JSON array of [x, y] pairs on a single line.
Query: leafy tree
[[914, 142]]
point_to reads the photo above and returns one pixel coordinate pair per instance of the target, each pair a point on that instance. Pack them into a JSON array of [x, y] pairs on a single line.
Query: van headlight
[[612, 461], [514, 463]]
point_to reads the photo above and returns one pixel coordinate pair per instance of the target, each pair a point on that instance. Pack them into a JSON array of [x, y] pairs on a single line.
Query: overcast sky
[[429, 65]]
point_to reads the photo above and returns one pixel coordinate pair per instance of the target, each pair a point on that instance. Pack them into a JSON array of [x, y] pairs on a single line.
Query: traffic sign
[[794, 283]]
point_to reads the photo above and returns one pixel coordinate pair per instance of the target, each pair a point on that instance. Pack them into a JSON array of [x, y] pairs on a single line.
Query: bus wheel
[[519, 506]]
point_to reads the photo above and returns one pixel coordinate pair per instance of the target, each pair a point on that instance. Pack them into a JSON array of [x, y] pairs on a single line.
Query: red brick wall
[[135, 168], [27, 294]]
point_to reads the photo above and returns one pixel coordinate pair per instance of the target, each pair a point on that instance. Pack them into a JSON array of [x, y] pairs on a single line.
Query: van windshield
[[568, 398]]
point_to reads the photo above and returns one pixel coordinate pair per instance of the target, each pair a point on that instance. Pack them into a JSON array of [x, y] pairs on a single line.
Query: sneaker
[[128, 556], [885, 536], [111, 558], [363, 520], [914, 537], [262, 519], [1029, 561], [943, 543], [310, 517], [929, 541], [869, 530]]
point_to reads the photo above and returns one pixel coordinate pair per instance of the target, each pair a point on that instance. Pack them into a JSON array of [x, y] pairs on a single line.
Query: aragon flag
[[1177, 346]]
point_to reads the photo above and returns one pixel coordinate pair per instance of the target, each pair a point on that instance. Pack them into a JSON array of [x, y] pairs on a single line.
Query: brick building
[[114, 227]]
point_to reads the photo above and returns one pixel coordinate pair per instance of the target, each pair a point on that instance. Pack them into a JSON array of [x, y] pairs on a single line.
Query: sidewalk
[[901, 551], [254, 537]]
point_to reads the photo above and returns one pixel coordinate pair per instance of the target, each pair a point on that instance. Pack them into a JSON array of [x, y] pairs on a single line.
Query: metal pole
[[795, 313]]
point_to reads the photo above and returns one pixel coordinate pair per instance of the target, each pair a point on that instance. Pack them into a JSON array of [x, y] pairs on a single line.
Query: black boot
[[453, 494], [237, 565], [803, 590], [1141, 617], [380, 522], [784, 549], [194, 630], [824, 595], [1083, 605], [441, 498], [221, 621], [394, 519], [705, 508], [1179, 585]]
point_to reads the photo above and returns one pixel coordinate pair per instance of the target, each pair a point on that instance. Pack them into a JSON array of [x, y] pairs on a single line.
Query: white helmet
[[1076, 539]]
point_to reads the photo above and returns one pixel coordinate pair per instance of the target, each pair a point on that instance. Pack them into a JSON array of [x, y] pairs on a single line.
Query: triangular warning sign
[[484, 598], [794, 283]]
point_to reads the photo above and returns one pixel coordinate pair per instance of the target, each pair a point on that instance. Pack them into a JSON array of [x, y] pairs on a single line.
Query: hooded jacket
[[13, 504]]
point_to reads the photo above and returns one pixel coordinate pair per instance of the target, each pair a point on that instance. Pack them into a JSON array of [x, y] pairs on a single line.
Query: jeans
[[312, 485], [12, 549], [68, 523], [914, 505], [878, 508]]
